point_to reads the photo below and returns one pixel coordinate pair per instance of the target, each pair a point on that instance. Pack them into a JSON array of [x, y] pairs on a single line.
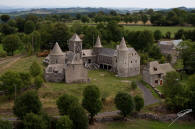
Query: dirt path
[[9, 61]]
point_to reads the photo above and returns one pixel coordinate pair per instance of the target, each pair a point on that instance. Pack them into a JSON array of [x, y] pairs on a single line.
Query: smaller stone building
[[153, 73], [169, 48]]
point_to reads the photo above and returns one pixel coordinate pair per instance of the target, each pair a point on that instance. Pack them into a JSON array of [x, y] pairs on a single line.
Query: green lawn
[[107, 82], [163, 29], [145, 124]]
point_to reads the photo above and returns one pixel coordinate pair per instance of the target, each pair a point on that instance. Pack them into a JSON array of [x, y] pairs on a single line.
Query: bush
[[134, 85], [64, 122], [64, 102], [27, 103], [3, 53], [139, 103], [5, 125], [91, 101], [157, 35], [35, 69], [38, 82], [78, 116], [124, 103], [26, 79], [34, 121]]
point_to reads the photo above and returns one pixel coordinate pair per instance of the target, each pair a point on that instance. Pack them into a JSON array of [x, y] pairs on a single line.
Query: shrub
[[124, 103], [64, 122], [5, 125], [134, 85], [91, 101], [27, 103], [3, 53], [34, 121], [35, 69], [78, 116], [64, 102], [139, 103], [26, 79], [38, 82]]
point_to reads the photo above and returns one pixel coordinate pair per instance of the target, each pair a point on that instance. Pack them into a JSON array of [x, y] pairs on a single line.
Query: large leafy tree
[[64, 102], [11, 81], [124, 103], [34, 121], [5, 18], [35, 69], [91, 101], [139, 103], [11, 43], [29, 27], [157, 35], [64, 122], [27, 103], [78, 116]]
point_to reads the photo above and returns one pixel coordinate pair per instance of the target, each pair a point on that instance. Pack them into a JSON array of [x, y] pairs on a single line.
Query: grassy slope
[[108, 84], [163, 29], [144, 124]]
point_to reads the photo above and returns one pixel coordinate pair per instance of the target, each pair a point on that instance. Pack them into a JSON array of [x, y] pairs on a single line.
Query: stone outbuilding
[[154, 73], [170, 48]]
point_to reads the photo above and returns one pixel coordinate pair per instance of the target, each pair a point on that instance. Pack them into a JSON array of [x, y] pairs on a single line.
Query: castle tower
[[98, 46], [75, 44], [122, 59], [56, 55]]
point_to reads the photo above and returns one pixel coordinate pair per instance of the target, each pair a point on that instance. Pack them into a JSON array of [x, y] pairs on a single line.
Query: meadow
[[107, 82], [163, 29]]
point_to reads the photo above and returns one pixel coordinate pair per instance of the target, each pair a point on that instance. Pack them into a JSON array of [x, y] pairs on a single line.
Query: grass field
[[145, 124], [107, 82], [163, 29]]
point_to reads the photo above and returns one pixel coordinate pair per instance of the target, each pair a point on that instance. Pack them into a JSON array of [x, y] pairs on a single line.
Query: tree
[[64, 102], [144, 18], [11, 43], [139, 103], [85, 19], [38, 82], [20, 24], [35, 40], [64, 122], [5, 125], [91, 101], [78, 116], [5, 18], [34, 121], [29, 27], [168, 35], [10, 81], [26, 79], [124, 103], [27, 103], [7, 29], [35, 69], [157, 35]]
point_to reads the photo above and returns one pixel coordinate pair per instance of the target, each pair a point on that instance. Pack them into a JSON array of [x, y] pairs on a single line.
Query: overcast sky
[[99, 3]]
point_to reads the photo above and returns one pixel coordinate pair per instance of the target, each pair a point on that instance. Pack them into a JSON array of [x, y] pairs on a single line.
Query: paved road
[[148, 97]]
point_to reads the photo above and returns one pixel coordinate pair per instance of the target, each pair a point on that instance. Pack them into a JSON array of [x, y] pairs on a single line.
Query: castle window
[[131, 61], [135, 53], [50, 69], [155, 69], [132, 54], [135, 61]]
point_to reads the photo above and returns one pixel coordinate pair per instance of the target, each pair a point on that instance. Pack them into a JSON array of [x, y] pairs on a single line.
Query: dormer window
[[155, 69]]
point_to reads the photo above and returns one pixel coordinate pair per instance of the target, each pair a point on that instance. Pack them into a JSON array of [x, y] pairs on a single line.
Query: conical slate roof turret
[[98, 42], [123, 45], [56, 50], [76, 38]]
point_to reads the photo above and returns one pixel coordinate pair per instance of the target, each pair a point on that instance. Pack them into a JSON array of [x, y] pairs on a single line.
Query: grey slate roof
[[76, 38], [107, 52], [56, 50]]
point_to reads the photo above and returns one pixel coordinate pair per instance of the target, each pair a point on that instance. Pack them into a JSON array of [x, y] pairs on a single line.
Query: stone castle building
[[154, 73], [71, 66]]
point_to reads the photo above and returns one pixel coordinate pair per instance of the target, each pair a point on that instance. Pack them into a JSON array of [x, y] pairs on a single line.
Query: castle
[[71, 66]]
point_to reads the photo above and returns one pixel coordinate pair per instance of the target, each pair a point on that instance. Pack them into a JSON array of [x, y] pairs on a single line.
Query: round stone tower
[[122, 59], [56, 55]]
